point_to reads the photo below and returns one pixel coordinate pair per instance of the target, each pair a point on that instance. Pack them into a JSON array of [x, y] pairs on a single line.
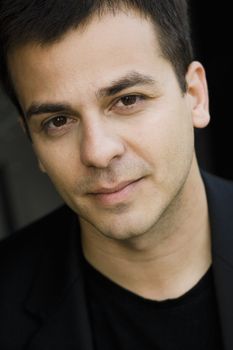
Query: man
[[109, 95]]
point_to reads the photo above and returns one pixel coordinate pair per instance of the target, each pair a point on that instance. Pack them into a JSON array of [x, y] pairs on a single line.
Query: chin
[[125, 229], [123, 222]]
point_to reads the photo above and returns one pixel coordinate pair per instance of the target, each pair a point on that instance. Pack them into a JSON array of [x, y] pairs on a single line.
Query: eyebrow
[[129, 80], [43, 108]]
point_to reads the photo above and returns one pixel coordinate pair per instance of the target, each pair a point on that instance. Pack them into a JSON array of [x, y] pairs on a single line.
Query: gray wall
[[25, 193]]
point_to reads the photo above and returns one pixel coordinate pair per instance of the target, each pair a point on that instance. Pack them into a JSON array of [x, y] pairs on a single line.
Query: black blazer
[[42, 297]]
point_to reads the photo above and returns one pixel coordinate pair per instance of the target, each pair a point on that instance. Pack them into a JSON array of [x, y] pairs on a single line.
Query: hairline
[[81, 26]]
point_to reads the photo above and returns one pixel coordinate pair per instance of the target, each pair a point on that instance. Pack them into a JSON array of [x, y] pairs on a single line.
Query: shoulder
[[39, 230], [20, 253], [217, 188], [33, 252]]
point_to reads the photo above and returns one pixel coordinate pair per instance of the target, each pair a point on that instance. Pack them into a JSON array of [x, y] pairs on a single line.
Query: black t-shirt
[[123, 320]]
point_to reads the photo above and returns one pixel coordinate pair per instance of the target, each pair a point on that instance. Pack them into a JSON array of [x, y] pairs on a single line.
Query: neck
[[166, 262]]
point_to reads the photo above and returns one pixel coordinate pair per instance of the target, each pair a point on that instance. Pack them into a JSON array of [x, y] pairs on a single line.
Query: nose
[[100, 145]]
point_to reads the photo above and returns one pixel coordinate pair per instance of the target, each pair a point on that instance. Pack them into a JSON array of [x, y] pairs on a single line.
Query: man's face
[[108, 121]]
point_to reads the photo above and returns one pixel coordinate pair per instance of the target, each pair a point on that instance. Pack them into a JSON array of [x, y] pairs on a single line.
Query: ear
[[197, 93]]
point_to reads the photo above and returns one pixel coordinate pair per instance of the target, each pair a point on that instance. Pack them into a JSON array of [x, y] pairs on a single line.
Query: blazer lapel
[[57, 299], [220, 201]]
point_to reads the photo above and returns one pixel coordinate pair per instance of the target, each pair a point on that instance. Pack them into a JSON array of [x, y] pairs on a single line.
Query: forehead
[[88, 56]]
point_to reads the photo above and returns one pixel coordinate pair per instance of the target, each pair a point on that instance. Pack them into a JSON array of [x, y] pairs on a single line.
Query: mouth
[[116, 194]]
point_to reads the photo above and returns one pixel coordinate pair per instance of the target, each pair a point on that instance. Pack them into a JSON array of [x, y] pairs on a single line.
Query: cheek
[[165, 140], [61, 163]]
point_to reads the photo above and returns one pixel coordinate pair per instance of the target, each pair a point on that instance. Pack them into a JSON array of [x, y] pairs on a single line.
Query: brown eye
[[58, 125], [129, 100], [129, 104], [59, 121]]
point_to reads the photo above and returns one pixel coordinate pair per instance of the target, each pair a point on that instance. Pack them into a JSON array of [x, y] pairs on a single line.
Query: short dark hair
[[46, 21]]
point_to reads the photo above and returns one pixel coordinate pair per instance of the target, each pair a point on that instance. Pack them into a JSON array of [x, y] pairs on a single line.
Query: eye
[[57, 124], [129, 100], [129, 103]]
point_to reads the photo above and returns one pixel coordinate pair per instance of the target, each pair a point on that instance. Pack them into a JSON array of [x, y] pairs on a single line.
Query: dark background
[[212, 36], [26, 194]]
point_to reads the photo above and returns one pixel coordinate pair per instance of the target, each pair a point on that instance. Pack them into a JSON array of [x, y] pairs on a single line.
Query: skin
[[147, 228]]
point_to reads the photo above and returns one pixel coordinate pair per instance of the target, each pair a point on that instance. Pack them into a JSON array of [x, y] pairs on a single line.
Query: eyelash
[[46, 124], [140, 97]]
